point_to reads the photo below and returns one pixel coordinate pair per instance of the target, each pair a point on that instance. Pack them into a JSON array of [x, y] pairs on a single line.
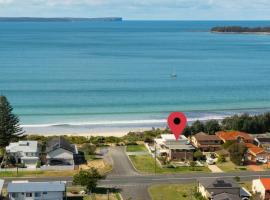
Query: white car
[[210, 161], [262, 160]]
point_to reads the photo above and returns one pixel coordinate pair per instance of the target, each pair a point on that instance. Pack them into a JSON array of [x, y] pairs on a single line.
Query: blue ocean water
[[93, 75]]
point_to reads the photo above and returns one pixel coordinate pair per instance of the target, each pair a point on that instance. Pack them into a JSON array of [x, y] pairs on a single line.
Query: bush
[[198, 155], [38, 164], [221, 159], [88, 149]]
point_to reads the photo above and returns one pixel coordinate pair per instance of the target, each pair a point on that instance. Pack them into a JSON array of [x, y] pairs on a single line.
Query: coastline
[[120, 127]]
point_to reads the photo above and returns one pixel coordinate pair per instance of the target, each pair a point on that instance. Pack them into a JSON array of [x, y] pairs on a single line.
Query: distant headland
[[59, 19], [239, 29]]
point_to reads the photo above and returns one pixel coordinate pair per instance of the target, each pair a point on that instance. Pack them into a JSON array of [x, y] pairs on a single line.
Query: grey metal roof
[[36, 187], [59, 142], [23, 146], [181, 146]]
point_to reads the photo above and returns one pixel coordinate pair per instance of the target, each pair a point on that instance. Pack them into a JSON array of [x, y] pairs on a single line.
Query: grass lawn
[[146, 164], [136, 148], [173, 192], [104, 170], [230, 167], [247, 185]]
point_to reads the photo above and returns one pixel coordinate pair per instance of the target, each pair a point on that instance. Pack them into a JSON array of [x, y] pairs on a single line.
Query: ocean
[[94, 77]]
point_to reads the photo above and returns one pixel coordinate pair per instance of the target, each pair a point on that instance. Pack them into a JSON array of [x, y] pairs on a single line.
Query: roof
[[23, 146], [254, 149], [1, 185], [203, 136], [36, 187], [209, 183], [226, 196], [59, 142], [172, 137], [180, 146], [266, 183], [233, 135]]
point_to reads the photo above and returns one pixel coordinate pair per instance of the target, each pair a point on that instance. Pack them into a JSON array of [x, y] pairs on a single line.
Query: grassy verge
[[146, 164], [136, 148], [100, 194], [173, 192], [230, 167], [67, 173]]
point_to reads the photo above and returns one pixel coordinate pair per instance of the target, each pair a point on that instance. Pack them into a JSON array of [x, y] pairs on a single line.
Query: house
[[180, 150], [227, 136], [262, 187], [222, 189], [25, 152], [255, 153], [206, 142], [24, 190], [1, 187], [263, 140], [60, 152]]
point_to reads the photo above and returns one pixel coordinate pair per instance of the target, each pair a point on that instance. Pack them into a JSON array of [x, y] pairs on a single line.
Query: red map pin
[[177, 121]]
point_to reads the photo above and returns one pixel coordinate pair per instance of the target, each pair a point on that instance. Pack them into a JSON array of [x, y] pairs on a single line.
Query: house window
[[14, 195], [44, 193], [28, 194], [37, 194]]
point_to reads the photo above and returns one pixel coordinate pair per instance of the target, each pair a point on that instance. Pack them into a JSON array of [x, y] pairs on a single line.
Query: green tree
[[89, 149], [192, 164], [197, 127], [9, 123], [198, 155], [237, 153], [212, 126], [88, 179]]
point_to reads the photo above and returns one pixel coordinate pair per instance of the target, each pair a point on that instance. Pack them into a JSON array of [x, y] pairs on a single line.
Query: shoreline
[[119, 127]]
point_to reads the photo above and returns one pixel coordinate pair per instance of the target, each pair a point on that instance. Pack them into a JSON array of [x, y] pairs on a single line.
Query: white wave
[[123, 122]]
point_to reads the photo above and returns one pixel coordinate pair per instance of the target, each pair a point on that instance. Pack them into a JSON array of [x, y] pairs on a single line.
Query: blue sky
[[140, 9]]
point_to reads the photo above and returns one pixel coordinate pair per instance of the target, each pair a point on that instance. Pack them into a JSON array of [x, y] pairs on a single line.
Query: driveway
[[214, 169]]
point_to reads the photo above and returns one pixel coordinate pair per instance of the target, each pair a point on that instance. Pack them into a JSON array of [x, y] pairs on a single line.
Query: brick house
[[206, 142], [237, 136]]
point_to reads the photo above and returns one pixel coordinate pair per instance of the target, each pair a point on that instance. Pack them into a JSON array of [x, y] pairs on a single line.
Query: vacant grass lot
[[146, 164], [173, 192], [230, 167], [136, 148]]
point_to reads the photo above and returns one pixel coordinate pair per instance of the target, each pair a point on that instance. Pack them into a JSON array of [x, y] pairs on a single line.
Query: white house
[[173, 149], [26, 152], [262, 187], [1, 186], [60, 152], [24, 190]]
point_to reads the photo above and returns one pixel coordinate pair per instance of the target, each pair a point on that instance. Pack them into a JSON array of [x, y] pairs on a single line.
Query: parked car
[[210, 161], [262, 160]]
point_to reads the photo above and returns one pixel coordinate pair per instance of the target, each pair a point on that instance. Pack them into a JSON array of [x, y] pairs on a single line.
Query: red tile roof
[[266, 183], [254, 149], [233, 135]]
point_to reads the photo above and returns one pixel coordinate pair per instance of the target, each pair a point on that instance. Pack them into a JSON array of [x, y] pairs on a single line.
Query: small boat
[[173, 75]]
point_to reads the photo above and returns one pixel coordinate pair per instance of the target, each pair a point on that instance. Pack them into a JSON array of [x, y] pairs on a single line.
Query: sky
[[140, 9]]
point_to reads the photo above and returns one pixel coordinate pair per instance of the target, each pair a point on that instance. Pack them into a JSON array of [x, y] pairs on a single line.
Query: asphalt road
[[121, 164]]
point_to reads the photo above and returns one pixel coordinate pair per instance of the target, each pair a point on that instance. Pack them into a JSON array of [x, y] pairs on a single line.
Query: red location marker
[[177, 121]]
